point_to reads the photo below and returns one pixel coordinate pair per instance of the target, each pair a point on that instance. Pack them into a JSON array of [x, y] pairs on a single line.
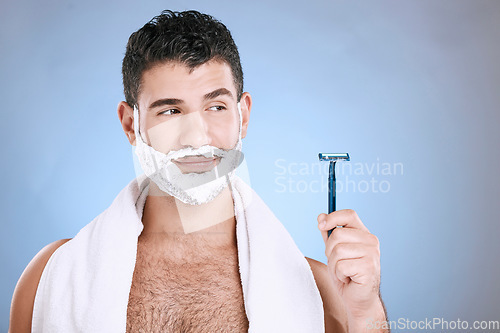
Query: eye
[[217, 108], [169, 112]]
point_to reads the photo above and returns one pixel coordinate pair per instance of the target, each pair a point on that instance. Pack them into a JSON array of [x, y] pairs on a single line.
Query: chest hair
[[202, 295]]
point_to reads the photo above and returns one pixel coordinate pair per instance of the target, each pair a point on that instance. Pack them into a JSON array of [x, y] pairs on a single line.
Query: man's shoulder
[[335, 315], [315, 263], [23, 299], [320, 273]]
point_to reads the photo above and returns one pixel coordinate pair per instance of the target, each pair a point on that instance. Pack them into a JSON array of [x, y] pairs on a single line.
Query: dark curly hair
[[189, 37]]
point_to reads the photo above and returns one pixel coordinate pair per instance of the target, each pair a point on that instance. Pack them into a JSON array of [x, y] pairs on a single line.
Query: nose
[[194, 130]]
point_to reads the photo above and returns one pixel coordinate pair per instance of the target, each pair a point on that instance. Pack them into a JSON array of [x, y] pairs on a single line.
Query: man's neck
[[182, 228]]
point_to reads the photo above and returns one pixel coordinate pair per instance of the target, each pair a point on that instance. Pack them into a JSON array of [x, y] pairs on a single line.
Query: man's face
[[179, 109]]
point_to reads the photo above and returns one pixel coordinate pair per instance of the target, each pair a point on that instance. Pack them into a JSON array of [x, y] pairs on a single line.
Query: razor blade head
[[334, 157]]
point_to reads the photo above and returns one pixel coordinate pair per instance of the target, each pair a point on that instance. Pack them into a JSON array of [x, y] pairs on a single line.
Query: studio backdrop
[[410, 89]]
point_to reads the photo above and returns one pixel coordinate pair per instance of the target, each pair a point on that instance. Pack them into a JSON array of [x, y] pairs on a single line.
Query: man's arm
[[21, 309], [335, 314], [354, 269]]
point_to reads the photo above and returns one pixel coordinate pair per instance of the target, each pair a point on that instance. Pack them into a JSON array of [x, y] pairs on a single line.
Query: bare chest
[[199, 296]]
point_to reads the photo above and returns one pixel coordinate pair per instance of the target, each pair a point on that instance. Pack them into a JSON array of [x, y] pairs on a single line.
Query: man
[[186, 113]]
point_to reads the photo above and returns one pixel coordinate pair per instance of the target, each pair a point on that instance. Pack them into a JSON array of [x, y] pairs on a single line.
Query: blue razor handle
[[331, 192], [332, 158]]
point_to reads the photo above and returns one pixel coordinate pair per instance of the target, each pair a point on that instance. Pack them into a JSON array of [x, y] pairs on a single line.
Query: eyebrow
[[171, 101], [216, 93], [165, 101]]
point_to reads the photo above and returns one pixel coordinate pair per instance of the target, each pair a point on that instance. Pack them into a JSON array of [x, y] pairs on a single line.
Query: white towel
[[86, 283]]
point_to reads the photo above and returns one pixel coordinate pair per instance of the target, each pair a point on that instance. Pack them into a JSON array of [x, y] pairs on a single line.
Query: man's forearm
[[373, 321]]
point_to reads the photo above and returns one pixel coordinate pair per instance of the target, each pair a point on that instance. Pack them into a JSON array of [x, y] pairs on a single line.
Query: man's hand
[[354, 265]]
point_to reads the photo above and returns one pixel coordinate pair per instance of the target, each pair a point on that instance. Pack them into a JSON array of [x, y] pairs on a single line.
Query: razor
[[332, 158]]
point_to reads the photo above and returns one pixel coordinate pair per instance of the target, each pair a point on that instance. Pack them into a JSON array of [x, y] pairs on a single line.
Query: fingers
[[348, 270], [347, 218], [345, 251], [350, 236], [344, 270], [352, 255]]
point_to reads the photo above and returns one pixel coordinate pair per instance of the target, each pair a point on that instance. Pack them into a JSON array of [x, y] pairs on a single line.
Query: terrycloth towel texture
[[86, 283]]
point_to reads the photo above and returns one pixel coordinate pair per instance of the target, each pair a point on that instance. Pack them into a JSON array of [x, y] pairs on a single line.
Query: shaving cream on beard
[[190, 188]]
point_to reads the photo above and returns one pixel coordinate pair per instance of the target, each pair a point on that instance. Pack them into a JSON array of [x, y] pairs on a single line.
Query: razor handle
[[331, 192]]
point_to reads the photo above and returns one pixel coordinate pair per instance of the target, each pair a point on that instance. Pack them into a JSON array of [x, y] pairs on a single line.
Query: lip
[[196, 163]]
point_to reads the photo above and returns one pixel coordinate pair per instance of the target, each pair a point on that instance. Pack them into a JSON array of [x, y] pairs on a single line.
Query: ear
[[246, 106], [126, 116]]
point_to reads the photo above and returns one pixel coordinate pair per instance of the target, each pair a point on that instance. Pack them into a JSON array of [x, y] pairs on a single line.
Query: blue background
[[410, 83]]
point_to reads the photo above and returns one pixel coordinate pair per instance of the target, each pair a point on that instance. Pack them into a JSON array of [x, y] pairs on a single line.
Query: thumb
[[324, 232]]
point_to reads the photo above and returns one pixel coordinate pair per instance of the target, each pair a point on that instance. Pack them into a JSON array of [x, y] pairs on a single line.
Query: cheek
[[161, 135], [224, 132]]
